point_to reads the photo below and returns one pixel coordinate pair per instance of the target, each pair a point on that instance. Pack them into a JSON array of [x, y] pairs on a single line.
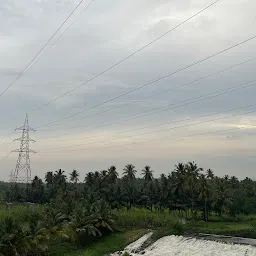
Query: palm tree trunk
[[192, 203], [205, 211]]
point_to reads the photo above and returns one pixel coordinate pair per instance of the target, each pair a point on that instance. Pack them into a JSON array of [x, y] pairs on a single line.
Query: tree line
[[187, 187], [80, 211]]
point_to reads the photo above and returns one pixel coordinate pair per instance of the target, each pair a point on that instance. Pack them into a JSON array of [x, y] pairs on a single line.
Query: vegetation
[[103, 246], [143, 218], [65, 214]]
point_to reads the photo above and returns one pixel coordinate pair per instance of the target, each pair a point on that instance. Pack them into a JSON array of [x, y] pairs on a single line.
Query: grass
[[114, 242], [137, 221], [104, 246], [19, 210], [143, 218], [243, 229]]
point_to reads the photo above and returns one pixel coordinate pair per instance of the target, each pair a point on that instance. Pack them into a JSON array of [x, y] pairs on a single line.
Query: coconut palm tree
[[36, 181], [35, 192], [97, 181], [131, 191], [10, 235], [97, 175], [16, 239], [234, 182], [180, 168], [117, 196], [193, 170], [54, 221], [222, 197], [129, 172], [209, 174], [112, 174], [204, 193], [147, 173], [192, 176], [89, 178], [81, 224], [179, 183], [59, 177], [164, 191], [49, 178], [105, 219], [74, 176], [39, 235], [91, 220], [150, 193], [103, 174], [226, 177]]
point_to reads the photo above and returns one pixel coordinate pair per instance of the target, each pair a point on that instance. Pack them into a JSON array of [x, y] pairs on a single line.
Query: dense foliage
[[80, 212]]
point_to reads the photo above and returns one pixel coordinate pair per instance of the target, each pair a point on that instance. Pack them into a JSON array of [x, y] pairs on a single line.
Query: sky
[[205, 113]]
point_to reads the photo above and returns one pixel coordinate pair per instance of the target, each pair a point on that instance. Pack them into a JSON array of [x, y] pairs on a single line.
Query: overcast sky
[[138, 128]]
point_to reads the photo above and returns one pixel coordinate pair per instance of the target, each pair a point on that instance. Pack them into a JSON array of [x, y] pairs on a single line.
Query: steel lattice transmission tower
[[22, 172]]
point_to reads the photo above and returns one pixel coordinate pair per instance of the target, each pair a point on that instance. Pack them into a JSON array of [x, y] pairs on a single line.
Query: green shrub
[[178, 228], [144, 218]]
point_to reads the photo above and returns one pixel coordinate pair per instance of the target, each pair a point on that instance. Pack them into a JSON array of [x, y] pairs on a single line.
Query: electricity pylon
[[22, 172]]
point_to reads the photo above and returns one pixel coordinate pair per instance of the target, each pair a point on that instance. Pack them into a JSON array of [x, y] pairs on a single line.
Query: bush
[[178, 228], [144, 218]]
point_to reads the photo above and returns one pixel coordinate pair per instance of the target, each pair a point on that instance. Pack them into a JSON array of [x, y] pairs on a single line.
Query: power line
[[165, 129], [9, 143], [3, 143], [38, 53], [153, 81], [157, 125], [147, 141], [28, 68], [184, 103], [61, 35], [116, 64], [213, 96], [170, 89], [201, 78], [8, 146], [126, 58]]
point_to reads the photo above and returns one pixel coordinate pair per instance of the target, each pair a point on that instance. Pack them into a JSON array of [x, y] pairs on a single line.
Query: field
[[105, 246], [136, 222], [143, 218]]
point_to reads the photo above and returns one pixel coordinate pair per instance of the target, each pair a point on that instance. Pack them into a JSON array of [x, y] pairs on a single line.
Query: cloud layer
[[126, 130]]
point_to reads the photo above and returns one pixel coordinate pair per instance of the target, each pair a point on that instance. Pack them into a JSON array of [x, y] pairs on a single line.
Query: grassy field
[[137, 221], [243, 228], [104, 246], [21, 211], [143, 218]]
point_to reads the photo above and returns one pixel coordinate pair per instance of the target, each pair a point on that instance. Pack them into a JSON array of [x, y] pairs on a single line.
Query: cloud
[[244, 126], [106, 33]]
